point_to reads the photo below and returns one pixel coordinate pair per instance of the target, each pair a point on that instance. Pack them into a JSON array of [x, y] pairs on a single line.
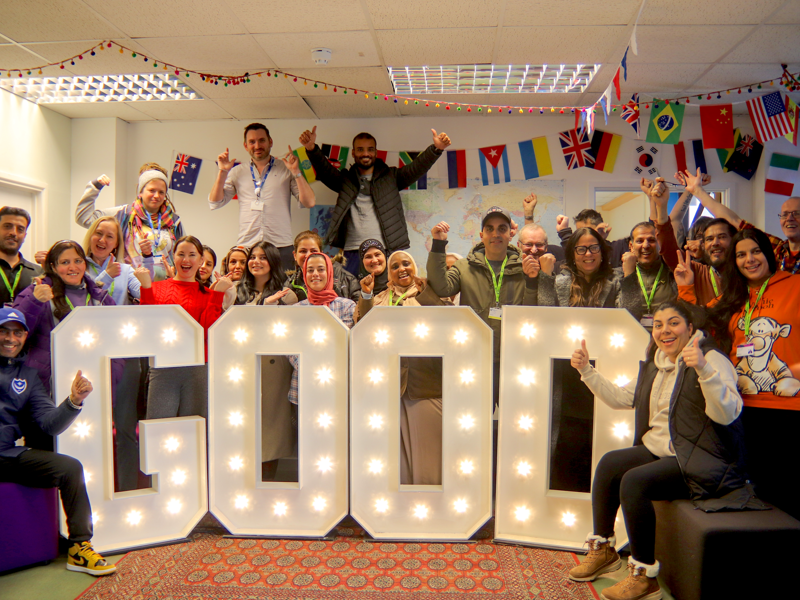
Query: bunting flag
[[535, 158], [336, 155], [716, 121], [309, 174], [623, 69], [383, 155], [456, 169], [696, 155], [783, 177], [648, 160], [725, 153], [184, 173], [630, 113], [605, 148], [406, 158], [768, 114], [745, 157], [494, 154], [577, 149], [793, 113], [666, 120]]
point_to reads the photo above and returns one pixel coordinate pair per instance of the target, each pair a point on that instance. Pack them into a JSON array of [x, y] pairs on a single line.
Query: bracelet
[[297, 175]]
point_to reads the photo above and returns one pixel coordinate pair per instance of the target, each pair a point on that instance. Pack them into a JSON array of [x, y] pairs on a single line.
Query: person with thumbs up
[[369, 206], [263, 188]]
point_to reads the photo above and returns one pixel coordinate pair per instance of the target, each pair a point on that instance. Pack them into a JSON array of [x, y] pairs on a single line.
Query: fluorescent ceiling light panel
[[138, 87], [492, 79]]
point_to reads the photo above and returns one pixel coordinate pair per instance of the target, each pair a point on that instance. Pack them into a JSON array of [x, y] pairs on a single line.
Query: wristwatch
[[298, 175]]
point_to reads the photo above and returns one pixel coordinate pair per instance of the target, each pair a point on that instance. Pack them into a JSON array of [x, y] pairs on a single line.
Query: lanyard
[[399, 300], [749, 311], [258, 186], [783, 263], [113, 281], [13, 289], [71, 307], [649, 298], [156, 234], [497, 283], [714, 275]]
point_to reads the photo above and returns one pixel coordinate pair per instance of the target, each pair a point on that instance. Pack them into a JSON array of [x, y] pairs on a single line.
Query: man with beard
[[369, 206], [263, 187], [17, 273]]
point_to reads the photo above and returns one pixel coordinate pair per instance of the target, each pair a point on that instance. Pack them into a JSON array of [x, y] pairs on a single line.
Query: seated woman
[[686, 406], [372, 255], [757, 322], [183, 391], [263, 279], [420, 377], [206, 271], [308, 242]]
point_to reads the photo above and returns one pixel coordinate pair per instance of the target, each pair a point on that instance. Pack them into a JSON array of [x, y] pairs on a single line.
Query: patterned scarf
[[138, 221]]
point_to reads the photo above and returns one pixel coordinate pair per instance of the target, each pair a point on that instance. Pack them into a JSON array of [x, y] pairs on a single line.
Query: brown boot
[[640, 584], [602, 558]]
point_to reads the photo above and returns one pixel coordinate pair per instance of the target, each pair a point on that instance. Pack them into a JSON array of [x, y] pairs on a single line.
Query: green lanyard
[[748, 312], [113, 281], [71, 307], [714, 275], [497, 283], [10, 289], [649, 298], [399, 300]]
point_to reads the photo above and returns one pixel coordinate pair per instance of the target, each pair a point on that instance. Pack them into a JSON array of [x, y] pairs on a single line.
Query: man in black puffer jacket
[[369, 205]]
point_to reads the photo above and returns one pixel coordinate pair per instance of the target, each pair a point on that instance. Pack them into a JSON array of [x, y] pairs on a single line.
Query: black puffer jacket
[[385, 190]]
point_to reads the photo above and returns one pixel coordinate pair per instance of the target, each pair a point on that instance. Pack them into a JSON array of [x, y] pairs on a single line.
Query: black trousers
[[42, 469], [634, 477]]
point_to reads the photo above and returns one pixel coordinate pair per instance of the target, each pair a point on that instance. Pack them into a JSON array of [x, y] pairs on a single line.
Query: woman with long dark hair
[[206, 270], [263, 279]]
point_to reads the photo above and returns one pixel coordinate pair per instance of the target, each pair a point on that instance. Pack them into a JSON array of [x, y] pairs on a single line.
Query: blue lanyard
[[157, 234], [258, 186]]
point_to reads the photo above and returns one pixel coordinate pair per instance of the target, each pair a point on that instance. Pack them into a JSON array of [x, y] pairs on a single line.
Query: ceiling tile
[[770, 43], [371, 79], [668, 79], [327, 107], [686, 44], [176, 18], [52, 20], [724, 76], [789, 13], [104, 62], [536, 45], [218, 54], [97, 110], [609, 12], [709, 12], [16, 57], [177, 110], [266, 108], [299, 15], [259, 87], [293, 50], [443, 47], [424, 14]]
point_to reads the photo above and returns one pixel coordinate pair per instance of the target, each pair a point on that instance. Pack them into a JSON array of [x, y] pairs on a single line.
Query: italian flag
[[783, 175]]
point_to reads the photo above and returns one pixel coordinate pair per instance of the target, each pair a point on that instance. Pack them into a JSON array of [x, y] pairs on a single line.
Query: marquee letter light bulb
[[129, 331], [421, 330], [236, 418], [526, 376], [236, 463], [460, 336], [235, 374], [87, 476], [575, 333], [376, 421], [375, 375], [319, 503], [241, 501], [524, 468], [617, 340], [178, 477], [528, 331], [467, 376], [134, 517], [525, 422], [82, 428], [318, 336], [621, 430], [568, 518], [324, 375], [325, 464], [460, 505], [171, 444], [279, 329], [86, 338], [169, 335], [420, 511], [174, 506], [467, 467], [280, 509], [622, 380], [381, 505], [375, 466], [324, 420], [467, 422], [381, 337], [522, 513], [240, 335]]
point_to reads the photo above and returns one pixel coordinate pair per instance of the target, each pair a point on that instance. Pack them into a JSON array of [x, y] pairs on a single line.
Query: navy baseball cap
[[12, 314], [496, 210]]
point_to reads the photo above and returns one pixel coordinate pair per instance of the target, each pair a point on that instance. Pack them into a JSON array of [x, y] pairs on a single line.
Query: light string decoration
[[786, 79]]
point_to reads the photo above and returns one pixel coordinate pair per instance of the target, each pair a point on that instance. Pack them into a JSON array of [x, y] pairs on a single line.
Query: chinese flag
[[717, 124]]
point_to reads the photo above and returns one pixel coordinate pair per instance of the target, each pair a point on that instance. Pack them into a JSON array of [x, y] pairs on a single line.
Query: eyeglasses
[[593, 249], [789, 213]]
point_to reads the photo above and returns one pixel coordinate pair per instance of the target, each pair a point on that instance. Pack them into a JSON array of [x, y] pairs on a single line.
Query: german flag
[[605, 147]]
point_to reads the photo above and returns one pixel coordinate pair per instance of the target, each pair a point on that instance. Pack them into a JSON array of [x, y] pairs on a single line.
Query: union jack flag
[[577, 149], [630, 113], [181, 162], [745, 145]]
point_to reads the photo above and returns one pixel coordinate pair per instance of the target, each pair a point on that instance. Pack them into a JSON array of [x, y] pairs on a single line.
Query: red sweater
[[204, 307]]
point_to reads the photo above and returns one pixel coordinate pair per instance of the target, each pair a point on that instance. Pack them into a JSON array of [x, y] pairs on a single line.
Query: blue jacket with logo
[[23, 397]]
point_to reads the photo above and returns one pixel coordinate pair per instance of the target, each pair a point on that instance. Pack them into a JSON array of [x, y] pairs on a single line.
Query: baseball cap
[[496, 210], [12, 314]]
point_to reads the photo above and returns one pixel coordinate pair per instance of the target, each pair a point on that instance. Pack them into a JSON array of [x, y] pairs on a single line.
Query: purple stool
[[29, 526]]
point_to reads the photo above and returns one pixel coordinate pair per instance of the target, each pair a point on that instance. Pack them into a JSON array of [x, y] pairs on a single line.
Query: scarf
[[138, 220], [327, 295], [362, 250]]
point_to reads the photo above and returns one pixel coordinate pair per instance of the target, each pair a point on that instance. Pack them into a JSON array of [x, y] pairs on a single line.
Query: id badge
[[157, 260], [745, 350], [647, 321], [496, 312], [257, 204]]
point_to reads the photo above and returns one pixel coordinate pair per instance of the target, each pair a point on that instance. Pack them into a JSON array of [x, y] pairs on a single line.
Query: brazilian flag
[[665, 122]]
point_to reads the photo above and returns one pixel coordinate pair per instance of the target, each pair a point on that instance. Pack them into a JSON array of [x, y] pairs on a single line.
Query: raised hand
[[40, 256], [41, 291], [440, 140], [309, 138], [291, 161], [604, 229], [223, 284], [104, 179], [143, 275], [684, 274], [114, 268], [646, 186], [81, 387], [276, 296], [694, 183], [528, 205], [562, 222], [705, 179], [224, 161], [660, 193], [531, 266], [439, 231], [680, 178], [146, 246], [368, 284], [547, 262], [693, 356], [580, 358], [693, 247], [513, 228], [629, 262]]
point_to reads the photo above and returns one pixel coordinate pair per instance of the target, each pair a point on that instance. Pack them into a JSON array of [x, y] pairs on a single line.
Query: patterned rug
[[351, 566]]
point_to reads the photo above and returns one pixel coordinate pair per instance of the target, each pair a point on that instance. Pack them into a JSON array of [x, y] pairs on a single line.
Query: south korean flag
[[647, 161]]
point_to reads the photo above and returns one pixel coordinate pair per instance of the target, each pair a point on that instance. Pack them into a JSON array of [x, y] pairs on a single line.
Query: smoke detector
[[321, 56]]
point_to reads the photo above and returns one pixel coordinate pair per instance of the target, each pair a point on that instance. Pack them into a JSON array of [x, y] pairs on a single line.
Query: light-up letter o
[[527, 511], [458, 507], [238, 498], [172, 450]]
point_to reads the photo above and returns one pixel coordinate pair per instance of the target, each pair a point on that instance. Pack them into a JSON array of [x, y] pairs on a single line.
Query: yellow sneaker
[[82, 558]]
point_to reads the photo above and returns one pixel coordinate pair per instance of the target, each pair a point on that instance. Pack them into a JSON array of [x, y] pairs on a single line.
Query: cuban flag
[[184, 173], [491, 158]]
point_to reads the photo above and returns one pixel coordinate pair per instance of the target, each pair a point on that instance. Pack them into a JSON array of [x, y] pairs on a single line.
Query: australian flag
[[184, 173]]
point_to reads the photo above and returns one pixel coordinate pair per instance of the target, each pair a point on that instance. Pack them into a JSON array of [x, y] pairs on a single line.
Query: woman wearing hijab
[[420, 377], [308, 242], [372, 256]]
